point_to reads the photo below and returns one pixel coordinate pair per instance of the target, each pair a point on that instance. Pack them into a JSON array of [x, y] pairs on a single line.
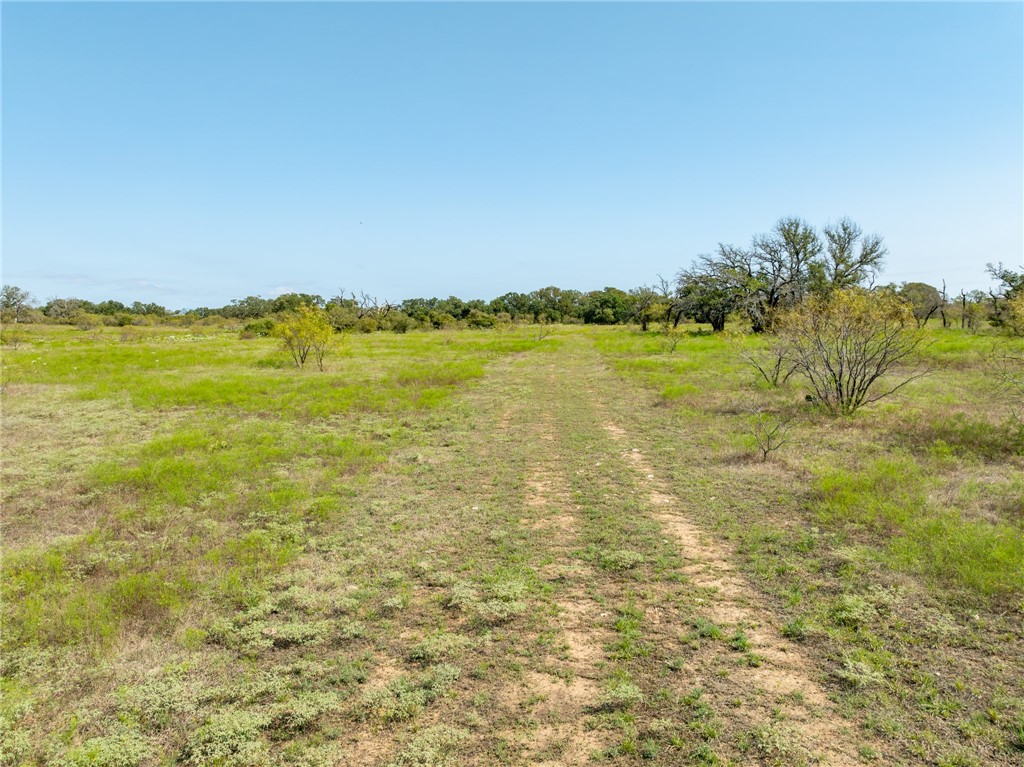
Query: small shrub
[[770, 430], [306, 331], [775, 364], [302, 711], [499, 605], [739, 642], [295, 632], [156, 702], [859, 673], [258, 328], [845, 346]]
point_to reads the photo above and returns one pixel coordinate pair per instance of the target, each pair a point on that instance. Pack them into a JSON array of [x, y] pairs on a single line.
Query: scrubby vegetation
[[512, 545]]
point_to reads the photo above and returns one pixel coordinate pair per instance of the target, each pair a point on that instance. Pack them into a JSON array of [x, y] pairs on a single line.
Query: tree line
[[776, 272]]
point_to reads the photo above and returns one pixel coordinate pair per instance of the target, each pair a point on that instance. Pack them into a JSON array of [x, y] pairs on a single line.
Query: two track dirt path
[[539, 477], [558, 427]]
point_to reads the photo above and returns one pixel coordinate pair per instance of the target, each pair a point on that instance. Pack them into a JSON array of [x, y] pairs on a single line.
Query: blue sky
[[190, 153]]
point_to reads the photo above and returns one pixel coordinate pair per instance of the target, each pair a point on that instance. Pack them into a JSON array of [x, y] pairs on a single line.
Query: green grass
[[435, 547], [890, 498], [888, 542]]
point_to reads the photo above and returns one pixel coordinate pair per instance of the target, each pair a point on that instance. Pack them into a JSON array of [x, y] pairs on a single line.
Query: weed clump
[[499, 603], [299, 713], [705, 629], [123, 749], [409, 695], [157, 701], [852, 611], [619, 693], [797, 629], [231, 738], [859, 674], [620, 560], [441, 644], [434, 747]]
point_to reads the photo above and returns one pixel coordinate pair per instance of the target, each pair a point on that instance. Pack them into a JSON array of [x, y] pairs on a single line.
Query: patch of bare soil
[[557, 703], [785, 673]]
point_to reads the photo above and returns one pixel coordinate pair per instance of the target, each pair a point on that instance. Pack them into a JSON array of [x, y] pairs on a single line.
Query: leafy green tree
[[248, 308], [479, 319], [790, 262], [924, 300], [517, 305], [149, 309], [708, 297], [15, 303], [290, 302], [1011, 284], [66, 309], [647, 306], [304, 332], [607, 307], [851, 258], [111, 308]]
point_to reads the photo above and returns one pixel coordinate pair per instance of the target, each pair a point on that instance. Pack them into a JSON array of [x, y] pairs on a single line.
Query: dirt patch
[[557, 702]]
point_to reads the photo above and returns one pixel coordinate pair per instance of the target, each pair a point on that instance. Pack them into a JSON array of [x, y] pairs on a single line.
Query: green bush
[[258, 328]]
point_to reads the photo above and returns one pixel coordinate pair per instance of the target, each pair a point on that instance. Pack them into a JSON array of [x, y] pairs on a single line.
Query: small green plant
[[770, 430], [796, 629], [407, 696], [433, 747], [232, 738], [739, 641], [859, 673], [705, 629], [498, 603], [620, 560], [438, 645], [299, 713], [852, 611], [619, 692], [123, 749]]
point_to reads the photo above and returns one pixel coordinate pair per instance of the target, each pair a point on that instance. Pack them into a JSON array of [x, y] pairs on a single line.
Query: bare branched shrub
[[670, 338], [775, 364], [848, 346], [1008, 374], [771, 430]]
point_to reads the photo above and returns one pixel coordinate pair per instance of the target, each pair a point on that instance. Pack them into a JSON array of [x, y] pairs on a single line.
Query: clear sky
[[191, 153]]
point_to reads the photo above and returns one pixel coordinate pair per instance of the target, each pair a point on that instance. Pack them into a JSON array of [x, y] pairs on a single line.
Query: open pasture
[[501, 548]]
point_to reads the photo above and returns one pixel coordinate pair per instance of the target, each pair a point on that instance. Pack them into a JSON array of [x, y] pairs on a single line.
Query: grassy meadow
[[501, 547]]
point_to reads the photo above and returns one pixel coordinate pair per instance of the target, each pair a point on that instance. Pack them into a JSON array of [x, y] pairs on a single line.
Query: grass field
[[501, 548]]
